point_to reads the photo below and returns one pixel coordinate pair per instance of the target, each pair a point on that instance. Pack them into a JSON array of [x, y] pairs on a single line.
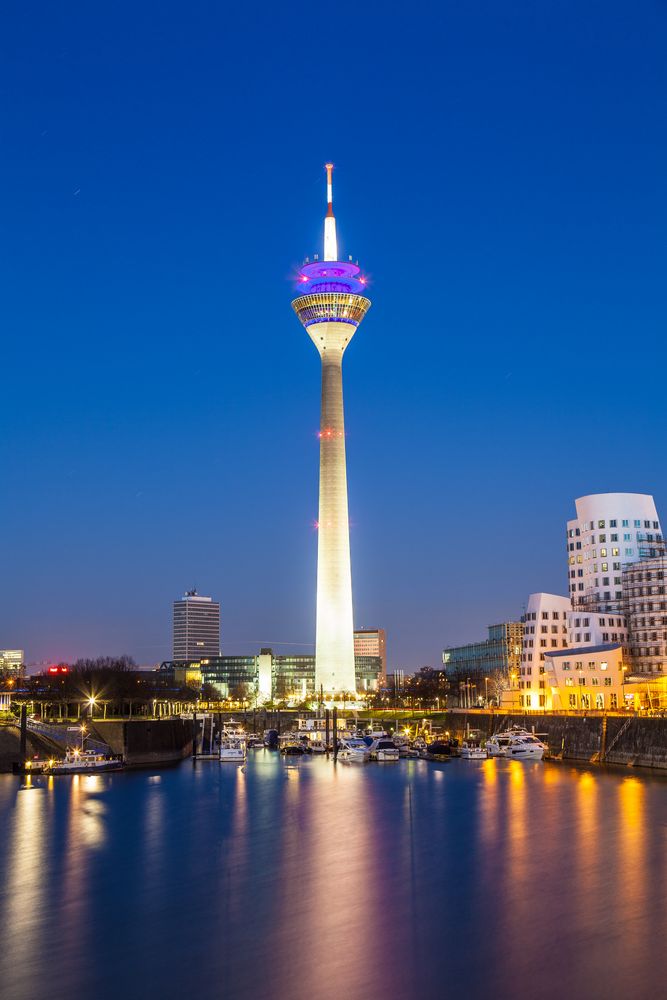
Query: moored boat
[[82, 762], [353, 750], [383, 749], [516, 743], [473, 750], [232, 750]]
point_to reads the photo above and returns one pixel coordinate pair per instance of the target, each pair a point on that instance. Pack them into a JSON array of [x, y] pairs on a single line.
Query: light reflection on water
[[300, 879]]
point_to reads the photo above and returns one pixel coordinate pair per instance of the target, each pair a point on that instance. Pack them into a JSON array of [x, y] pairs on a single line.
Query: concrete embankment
[[10, 747], [630, 740], [141, 742], [147, 742]]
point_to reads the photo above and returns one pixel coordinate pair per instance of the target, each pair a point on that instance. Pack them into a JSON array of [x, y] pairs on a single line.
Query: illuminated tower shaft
[[331, 310]]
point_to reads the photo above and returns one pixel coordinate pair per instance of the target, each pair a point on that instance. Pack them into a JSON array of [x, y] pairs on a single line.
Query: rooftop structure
[[331, 304]]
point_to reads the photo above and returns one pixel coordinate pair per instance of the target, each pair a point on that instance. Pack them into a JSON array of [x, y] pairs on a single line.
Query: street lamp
[[623, 671], [92, 701]]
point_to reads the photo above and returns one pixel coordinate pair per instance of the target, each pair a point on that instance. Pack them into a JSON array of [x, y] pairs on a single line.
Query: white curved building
[[610, 531], [545, 631]]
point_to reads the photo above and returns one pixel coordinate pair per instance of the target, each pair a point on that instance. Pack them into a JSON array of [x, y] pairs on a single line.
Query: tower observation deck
[[331, 305]]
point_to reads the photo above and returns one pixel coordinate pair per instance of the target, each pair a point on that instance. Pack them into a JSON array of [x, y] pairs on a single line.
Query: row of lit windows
[[546, 615], [595, 681]]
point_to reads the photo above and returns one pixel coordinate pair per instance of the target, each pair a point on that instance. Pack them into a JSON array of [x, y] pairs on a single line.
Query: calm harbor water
[[301, 879]]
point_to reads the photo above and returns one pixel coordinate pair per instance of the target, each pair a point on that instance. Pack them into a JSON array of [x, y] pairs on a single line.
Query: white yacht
[[525, 746], [473, 750], [232, 750], [353, 750], [516, 744], [383, 749]]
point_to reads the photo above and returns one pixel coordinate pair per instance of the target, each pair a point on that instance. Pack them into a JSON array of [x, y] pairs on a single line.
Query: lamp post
[[486, 691], [623, 671]]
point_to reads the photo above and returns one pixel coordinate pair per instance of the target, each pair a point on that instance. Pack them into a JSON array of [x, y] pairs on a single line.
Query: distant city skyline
[[504, 185]]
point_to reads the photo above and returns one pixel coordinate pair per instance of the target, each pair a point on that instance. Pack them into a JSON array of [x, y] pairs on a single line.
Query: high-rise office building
[[196, 627], [372, 642], [331, 304], [12, 662]]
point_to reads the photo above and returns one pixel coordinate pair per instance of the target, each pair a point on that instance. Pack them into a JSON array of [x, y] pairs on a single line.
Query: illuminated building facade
[[611, 531], [265, 677], [12, 662], [472, 667], [645, 609], [196, 627], [372, 642], [591, 678], [331, 304]]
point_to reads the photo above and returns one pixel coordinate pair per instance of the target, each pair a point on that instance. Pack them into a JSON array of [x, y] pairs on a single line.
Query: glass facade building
[[499, 654], [292, 677]]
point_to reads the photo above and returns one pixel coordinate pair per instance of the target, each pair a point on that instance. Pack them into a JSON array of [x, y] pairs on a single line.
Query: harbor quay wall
[[147, 742], [636, 741]]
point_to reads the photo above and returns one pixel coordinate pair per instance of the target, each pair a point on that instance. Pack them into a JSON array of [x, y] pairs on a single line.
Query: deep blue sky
[[501, 172]]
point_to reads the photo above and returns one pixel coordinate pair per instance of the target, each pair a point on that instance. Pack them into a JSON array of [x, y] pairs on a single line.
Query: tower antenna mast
[[330, 241]]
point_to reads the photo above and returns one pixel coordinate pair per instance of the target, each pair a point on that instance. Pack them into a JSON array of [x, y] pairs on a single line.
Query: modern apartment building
[[610, 532], [590, 678], [545, 631], [196, 627], [372, 642]]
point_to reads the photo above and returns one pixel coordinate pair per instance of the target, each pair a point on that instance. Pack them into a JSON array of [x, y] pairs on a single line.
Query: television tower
[[331, 305]]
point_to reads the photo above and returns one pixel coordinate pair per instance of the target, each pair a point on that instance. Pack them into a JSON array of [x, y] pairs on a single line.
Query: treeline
[[112, 679]]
